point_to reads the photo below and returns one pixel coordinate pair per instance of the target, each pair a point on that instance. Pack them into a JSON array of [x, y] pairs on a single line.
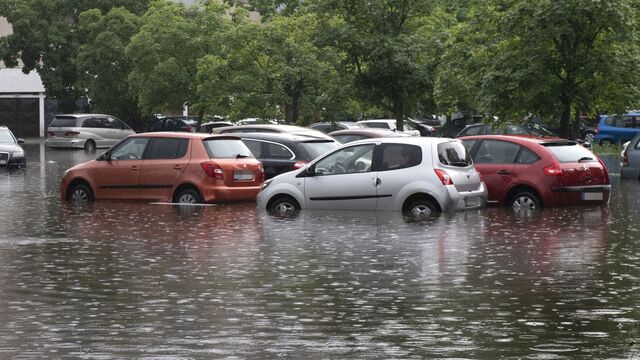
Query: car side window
[[166, 148], [348, 138], [471, 130], [378, 125], [400, 156], [496, 152], [516, 130], [255, 147], [92, 123], [527, 157], [353, 159], [469, 144], [277, 151], [130, 149]]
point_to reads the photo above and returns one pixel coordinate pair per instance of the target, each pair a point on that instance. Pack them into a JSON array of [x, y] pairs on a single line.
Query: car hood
[[83, 166], [9, 147]]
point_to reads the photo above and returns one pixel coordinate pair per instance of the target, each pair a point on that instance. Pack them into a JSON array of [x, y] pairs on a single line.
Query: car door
[[396, 168], [495, 159], [276, 158], [164, 162], [343, 180], [118, 174]]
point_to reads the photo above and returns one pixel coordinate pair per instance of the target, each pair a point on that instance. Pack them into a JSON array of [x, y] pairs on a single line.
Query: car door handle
[[135, 167], [504, 172], [376, 182], [177, 166]]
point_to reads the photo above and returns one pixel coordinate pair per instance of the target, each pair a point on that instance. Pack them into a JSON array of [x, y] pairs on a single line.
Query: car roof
[[183, 135], [80, 115], [521, 139], [411, 140], [279, 128], [289, 137], [373, 132]]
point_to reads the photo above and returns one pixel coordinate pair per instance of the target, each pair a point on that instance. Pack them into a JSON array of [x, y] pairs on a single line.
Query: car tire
[[524, 200], [90, 146], [421, 209], [589, 136], [79, 193], [283, 205], [188, 195]]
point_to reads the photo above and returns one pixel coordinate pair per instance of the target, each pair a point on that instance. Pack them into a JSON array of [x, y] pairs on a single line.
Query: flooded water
[[125, 280]]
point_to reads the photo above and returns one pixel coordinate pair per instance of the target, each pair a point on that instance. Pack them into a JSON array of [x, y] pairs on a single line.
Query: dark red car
[[529, 172]]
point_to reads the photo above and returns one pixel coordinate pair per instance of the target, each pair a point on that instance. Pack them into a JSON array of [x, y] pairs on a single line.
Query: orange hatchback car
[[168, 167]]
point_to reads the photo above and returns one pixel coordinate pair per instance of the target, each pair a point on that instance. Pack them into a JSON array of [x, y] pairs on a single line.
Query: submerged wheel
[[79, 193], [90, 146], [188, 196], [421, 209], [524, 201], [283, 205]]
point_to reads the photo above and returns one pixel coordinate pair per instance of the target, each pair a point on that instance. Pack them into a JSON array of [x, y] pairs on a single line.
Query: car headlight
[[17, 154], [266, 183]]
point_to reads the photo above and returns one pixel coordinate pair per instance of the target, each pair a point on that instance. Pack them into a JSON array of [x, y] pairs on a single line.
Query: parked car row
[[416, 175]]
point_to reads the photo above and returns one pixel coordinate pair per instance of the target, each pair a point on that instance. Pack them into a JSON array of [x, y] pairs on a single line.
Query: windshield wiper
[[586, 158], [459, 163]]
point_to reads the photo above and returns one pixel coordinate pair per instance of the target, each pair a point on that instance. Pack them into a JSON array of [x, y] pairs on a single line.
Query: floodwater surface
[[116, 280]]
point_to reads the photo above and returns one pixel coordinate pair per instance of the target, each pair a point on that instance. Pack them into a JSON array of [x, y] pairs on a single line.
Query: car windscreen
[[453, 153], [537, 129], [5, 137], [226, 148], [317, 148], [569, 152], [64, 122]]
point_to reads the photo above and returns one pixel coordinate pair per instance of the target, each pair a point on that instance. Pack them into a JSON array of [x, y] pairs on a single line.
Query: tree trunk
[[398, 112], [566, 115], [200, 117]]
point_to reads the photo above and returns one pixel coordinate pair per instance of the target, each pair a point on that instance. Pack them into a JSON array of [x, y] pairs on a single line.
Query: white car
[[415, 175], [389, 124]]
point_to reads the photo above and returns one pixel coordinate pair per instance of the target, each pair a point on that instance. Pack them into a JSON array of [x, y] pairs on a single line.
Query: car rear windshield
[[569, 152], [453, 153], [317, 148], [227, 148], [64, 122]]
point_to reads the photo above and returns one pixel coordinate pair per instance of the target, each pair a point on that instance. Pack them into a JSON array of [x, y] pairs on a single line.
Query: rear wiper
[[586, 158], [240, 156], [459, 163]]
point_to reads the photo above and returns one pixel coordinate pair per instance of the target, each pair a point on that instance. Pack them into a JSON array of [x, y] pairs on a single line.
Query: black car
[[177, 123], [283, 152], [327, 127], [11, 153]]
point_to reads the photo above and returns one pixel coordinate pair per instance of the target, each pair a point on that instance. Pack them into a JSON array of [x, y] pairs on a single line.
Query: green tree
[[550, 58], [102, 64], [391, 50], [45, 39]]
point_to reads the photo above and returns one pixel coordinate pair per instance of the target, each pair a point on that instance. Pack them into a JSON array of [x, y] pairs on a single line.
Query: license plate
[[591, 196], [472, 201], [3, 162], [243, 175]]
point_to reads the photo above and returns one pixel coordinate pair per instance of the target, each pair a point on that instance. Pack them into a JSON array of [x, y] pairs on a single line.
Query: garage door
[[21, 116]]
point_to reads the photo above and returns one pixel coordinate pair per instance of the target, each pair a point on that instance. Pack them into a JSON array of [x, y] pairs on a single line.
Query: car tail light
[[625, 158], [71, 133], [212, 169], [553, 170], [597, 128], [260, 177], [299, 164], [444, 177], [50, 134]]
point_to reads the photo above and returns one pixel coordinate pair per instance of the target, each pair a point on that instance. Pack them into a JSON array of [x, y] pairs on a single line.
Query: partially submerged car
[[11, 153], [416, 175]]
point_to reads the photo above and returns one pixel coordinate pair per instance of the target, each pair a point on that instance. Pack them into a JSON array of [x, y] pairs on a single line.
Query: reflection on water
[[130, 280]]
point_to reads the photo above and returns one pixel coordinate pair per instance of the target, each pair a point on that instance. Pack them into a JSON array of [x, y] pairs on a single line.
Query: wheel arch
[[420, 196], [280, 195], [185, 185], [79, 180], [524, 188]]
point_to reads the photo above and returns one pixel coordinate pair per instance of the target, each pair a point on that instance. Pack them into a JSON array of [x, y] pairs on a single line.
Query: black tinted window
[[453, 153], [469, 144], [472, 130], [166, 148], [496, 152], [255, 147], [277, 151], [64, 122], [399, 156], [92, 123]]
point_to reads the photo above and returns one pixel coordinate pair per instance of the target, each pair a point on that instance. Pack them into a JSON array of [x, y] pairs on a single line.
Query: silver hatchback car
[[416, 175], [87, 131], [631, 159]]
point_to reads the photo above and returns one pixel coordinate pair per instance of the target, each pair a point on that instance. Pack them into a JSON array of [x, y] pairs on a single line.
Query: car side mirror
[[20, 141]]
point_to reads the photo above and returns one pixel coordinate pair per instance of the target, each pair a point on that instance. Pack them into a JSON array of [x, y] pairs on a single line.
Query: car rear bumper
[[466, 200], [218, 194], [630, 172], [75, 143], [579, 195]]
